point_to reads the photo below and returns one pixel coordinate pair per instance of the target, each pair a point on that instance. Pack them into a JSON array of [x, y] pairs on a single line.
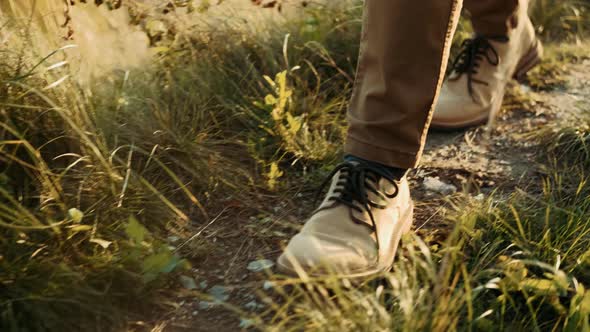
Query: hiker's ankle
[[396, 173]]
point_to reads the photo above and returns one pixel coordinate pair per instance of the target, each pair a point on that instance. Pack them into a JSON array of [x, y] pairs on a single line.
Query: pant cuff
[[380, 155]]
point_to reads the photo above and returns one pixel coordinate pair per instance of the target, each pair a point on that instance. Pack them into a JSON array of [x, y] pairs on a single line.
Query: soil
[[479, 161]]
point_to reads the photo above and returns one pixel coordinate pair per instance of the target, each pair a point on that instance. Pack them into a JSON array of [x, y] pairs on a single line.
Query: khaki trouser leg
[[404, 52], [494, 17]]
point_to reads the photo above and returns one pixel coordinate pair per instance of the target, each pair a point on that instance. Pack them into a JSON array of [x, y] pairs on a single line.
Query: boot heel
[[529, 61]]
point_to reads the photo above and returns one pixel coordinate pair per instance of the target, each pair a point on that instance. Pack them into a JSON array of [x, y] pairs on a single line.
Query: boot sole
[[405, 226], [526, 64]]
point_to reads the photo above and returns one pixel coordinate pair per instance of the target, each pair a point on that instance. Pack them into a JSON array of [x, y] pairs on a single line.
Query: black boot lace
[[354, 183], [473, 51]]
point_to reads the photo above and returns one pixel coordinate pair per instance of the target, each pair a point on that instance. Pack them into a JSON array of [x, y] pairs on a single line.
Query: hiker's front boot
[[357, 228], [474, 91]]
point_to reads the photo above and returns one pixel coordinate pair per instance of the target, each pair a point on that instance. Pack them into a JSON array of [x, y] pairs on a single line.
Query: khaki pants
[[404, 52]]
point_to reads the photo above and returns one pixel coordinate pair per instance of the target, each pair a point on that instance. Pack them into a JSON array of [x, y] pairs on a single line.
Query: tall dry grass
[[104, 153]]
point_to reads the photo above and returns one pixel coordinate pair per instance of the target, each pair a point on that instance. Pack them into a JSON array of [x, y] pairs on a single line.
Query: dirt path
[[477, 161]]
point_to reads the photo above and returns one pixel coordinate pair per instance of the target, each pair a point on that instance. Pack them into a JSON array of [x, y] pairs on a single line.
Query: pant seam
[[445, 50]]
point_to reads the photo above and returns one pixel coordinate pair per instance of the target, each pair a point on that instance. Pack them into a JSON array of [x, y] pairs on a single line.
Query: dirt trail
[[477, 161]]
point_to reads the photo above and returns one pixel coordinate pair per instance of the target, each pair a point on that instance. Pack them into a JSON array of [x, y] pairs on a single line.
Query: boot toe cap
[[314, 254]]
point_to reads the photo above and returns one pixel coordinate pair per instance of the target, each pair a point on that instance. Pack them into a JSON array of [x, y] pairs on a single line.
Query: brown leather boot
[[356, 230], [474, 91]]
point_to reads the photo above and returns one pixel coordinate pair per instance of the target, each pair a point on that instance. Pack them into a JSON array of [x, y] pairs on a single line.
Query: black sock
[[396, 173]]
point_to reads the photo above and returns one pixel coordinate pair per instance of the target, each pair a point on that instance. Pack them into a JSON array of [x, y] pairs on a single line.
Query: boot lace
[[473, 52], [355, 182]]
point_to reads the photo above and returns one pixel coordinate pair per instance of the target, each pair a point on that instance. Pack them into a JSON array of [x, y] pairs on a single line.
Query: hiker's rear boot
[[474, 91]]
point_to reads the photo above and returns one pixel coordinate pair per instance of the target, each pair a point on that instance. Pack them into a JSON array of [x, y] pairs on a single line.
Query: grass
[[559, 20], [519, 264], [95, 176], [69, 212]]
